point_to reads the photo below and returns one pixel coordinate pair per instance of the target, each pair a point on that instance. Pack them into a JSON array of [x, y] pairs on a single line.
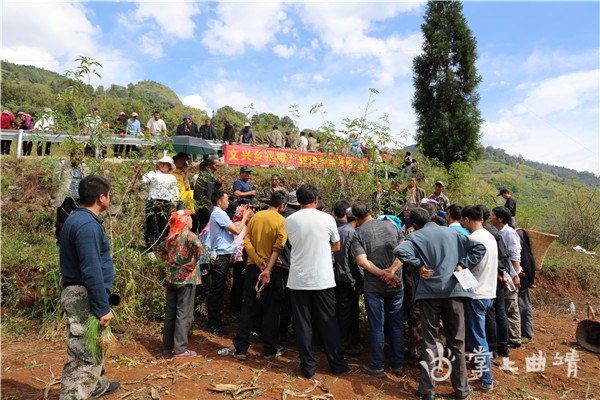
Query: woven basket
[[539, 242]]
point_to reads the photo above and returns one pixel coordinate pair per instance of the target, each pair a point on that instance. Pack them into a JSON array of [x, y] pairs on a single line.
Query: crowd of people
[[297, 268]]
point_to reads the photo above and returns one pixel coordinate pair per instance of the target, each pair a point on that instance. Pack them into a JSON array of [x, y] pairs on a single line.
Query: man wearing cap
[[156, 125], [207, 131], [246, 134], [120, 128], [441, 198], [46, 125], [185, 129], [228, 132], [242, 188], [511, 204]]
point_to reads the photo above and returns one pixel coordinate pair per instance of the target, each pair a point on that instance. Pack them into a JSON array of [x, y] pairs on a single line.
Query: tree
[[446, 80]]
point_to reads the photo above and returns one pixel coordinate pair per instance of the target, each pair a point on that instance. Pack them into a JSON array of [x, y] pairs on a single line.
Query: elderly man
[[207, 131], [228, 132], [373, 246], [267, 192], [276, 138], [435, 252], [412, 193], [241, 187], [246, 135], [187, 128], [206, 184]]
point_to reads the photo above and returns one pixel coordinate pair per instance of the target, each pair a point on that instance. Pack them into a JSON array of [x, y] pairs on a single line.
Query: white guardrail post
[[20, 143]]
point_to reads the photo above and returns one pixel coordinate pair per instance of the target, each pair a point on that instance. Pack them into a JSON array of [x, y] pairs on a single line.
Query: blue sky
[[539, 60]]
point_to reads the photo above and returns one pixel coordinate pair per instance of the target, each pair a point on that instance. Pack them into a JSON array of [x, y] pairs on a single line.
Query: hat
[[245, 168], [502, 191], [47, 110], [121, 113], [6, 112], [21, 113], [186, 117], [292, 199], [247, 124], [440, 183], [167, 159], [134, 114]]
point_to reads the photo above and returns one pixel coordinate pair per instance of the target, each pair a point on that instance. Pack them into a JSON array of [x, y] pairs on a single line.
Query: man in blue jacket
[[435, 252], [87, 277]]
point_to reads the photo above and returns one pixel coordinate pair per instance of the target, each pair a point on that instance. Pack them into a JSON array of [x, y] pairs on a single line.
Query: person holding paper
[[483, 294], [435, 252]]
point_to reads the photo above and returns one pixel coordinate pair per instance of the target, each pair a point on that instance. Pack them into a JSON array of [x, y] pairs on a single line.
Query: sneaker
[[514, 345], [240, 356], [480, 387], [280, 352], [504, 352], [525, 340], [396, 370], [376, 372], [424, 396], [466, 396], [187, 353], [151, 256]]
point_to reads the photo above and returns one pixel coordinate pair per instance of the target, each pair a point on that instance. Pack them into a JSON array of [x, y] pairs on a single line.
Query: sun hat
[[168, 160], [121, 113], [292, 199], [134, 114], [247, 124]]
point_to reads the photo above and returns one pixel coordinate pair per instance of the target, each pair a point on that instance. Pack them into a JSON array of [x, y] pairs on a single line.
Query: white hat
[[167, 159], [47, 110], [247, 124]]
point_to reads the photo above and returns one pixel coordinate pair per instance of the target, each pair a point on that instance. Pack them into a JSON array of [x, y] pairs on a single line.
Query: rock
[[12, 187]]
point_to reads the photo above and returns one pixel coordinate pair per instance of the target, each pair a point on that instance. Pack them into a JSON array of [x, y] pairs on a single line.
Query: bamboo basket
[[539, 242]]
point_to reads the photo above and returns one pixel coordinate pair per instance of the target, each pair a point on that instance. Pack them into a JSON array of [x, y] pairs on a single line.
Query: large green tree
[[446, 80]]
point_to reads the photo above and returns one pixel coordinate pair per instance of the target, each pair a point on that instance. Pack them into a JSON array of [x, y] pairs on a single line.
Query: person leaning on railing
[[7, 123]]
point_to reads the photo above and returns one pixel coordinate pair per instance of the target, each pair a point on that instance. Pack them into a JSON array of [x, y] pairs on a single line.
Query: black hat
[[502, 191], [245, 168]]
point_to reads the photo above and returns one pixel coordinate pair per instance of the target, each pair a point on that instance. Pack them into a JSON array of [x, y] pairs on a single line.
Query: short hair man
[[500, 219], [435, 252], [453, 217], [412, 193], [267, 192], [511, 204], [439, 196], [348, 281], [206, 184], [276, 138], [483, 295], [242, 188], [302, 143], [87, 277], [373, 246], [156, 126], [264, 242], [246, 135], [228, 132], [313, 236], [207, 131], [223, 245]]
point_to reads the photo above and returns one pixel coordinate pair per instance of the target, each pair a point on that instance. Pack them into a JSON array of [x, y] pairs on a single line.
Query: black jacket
[[208, 132], [205, 186]]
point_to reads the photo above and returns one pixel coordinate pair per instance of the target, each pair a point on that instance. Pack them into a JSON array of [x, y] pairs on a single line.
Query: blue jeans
[[475, 312], [382, 308]]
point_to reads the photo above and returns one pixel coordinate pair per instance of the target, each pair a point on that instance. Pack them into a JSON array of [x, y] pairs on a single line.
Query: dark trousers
[[202, 221], [267, 306], [27, 147], [237, 287], [317, 306], [347, 313], [62, 213], [5, 149], [157, 218], [118, 150], [218, 284], [179, 314], [285, 313], [526, 311], [496, 324], [40, 148], [452, 314]]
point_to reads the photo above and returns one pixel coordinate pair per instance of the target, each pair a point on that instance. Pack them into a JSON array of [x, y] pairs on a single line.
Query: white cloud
[[241, 25], [346, 35], [231, 93], [554, 121], [194, 100], [284, 51], [55, 34], [305, 80]]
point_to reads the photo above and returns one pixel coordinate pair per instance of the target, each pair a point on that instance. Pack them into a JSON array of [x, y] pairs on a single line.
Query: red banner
[[248, 155]]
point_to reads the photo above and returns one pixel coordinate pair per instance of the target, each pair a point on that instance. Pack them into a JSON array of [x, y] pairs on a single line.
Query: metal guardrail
[[37, 136]]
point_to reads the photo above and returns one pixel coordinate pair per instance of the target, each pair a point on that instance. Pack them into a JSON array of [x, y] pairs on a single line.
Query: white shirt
[[310, 232], [161, 186], [156, 128], [45, 123], [302, 143], [486, 272], [513, 246]]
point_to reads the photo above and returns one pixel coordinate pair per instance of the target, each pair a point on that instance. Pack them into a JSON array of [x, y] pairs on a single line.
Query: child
[[181, 251]]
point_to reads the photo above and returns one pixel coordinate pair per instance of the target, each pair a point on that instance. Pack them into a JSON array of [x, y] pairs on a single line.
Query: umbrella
[[191, 145]]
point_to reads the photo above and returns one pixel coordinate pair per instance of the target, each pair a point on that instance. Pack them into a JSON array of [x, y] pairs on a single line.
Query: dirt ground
[[31, 369]]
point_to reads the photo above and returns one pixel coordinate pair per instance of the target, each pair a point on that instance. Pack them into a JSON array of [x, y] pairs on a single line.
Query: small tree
[[445, 79]]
